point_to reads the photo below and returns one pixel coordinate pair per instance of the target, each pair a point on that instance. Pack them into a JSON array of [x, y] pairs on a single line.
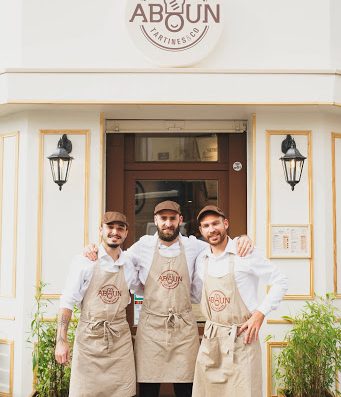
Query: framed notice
[[290, 241]]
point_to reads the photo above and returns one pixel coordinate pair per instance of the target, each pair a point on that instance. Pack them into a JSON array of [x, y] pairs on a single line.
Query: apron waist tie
[[228, 345], [109, 329], [170, 318]]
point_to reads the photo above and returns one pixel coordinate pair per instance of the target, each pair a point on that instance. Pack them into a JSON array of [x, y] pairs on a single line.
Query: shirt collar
[[102, 254], [156, 236], [230, 248]]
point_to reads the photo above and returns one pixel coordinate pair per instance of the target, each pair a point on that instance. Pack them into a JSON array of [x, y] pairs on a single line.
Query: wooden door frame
[[119, 159], [122, 171]]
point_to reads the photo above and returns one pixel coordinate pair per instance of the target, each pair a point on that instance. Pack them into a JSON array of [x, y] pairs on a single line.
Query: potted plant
[[51, 378], [308, 364]]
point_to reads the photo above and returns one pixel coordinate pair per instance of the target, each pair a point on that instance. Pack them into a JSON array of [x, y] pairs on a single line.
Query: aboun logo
[[175, 26], [109, 293], [170, 279], [218, 300]]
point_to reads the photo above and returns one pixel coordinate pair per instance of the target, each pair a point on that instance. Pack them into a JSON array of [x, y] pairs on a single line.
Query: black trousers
[[153, 389]]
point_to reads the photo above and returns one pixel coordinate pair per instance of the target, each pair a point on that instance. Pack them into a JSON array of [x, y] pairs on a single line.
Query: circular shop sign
[[175, 32]]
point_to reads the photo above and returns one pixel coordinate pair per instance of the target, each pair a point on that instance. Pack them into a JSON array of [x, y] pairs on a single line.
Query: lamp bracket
[[287, 143], [65, 143]]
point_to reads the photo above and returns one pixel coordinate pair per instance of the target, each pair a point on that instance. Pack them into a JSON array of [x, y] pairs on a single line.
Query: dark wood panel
[[237, 211], [115, 172]]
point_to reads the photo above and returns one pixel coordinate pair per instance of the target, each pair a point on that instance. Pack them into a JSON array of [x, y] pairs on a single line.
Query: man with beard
[[167, 341], [103, 359], [229, 358]]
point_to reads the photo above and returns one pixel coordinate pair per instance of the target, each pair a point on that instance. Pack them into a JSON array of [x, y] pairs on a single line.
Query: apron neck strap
[[159, 242], [231, 263], [206, 267]]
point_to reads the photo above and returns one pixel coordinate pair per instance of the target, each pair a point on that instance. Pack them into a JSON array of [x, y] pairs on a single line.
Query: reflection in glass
[[191, 195], [194, 147]]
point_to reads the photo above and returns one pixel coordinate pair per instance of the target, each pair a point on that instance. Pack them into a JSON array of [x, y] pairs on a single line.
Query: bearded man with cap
[[229, 358], [103, 359]]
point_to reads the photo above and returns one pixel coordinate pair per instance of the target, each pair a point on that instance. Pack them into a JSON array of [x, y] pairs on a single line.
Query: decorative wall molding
[[3, 167], [9, 391], [254, 177], [336, 249], [269, 364], [102, 132]]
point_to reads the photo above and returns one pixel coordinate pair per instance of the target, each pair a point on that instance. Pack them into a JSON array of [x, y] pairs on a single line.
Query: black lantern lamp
[[60, 161], [292, 161]]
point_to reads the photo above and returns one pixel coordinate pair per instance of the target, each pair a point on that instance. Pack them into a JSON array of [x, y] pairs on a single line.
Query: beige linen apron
[[167, 341], [225, 365], [103, 359]]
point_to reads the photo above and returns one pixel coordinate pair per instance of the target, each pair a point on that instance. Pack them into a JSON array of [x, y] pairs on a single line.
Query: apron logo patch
[[218, 300], [170, 279], [109, 294]]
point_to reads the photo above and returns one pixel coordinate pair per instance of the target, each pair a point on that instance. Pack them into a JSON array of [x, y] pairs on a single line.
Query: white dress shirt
[[248, 271], [81, 271], [142, 253]]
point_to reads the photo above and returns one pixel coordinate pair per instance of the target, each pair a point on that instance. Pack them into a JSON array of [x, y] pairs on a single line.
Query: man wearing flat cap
[[167, 341], [103, 359], [229, 358]]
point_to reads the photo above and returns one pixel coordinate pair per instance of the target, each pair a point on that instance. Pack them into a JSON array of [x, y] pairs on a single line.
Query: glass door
[[191, 169], [145, 189]]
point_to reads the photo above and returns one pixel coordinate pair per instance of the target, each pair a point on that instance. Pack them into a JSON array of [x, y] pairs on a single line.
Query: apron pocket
[[210, 359], [155, 329], [209, 353]]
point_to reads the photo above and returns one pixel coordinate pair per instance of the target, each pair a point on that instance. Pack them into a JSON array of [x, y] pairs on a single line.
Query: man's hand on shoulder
[[91, 252], [252, 326], [244, 245]]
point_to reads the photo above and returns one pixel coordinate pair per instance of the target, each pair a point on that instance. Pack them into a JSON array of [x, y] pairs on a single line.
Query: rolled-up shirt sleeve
[[269, 273], [134, 255], [132, 274], [198, 277], [80, 273]]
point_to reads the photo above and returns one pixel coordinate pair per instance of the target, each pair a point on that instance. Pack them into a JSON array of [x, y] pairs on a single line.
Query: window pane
[[191, 195], [195, 147]]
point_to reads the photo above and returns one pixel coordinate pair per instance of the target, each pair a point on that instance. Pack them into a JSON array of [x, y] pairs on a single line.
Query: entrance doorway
[[194, 169]]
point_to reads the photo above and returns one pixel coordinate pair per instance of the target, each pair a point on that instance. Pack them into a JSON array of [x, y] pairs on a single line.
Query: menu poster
[[290, 241]]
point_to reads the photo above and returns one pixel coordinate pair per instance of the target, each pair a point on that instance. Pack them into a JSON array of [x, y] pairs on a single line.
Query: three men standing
[[167, 342]]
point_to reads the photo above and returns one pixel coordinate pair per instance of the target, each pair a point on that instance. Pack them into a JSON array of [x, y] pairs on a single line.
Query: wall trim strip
[[337, 291], [4, 136]]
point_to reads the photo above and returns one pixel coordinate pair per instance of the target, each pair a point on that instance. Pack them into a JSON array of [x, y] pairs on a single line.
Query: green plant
[[52, 379], [307, 365]]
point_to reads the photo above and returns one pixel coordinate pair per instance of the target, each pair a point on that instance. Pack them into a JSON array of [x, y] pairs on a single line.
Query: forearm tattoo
[[63, 324]]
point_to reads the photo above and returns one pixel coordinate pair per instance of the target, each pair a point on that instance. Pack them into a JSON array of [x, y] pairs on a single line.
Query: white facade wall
[[335, 11], [52, 235], [257, 35], [11, 30]]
